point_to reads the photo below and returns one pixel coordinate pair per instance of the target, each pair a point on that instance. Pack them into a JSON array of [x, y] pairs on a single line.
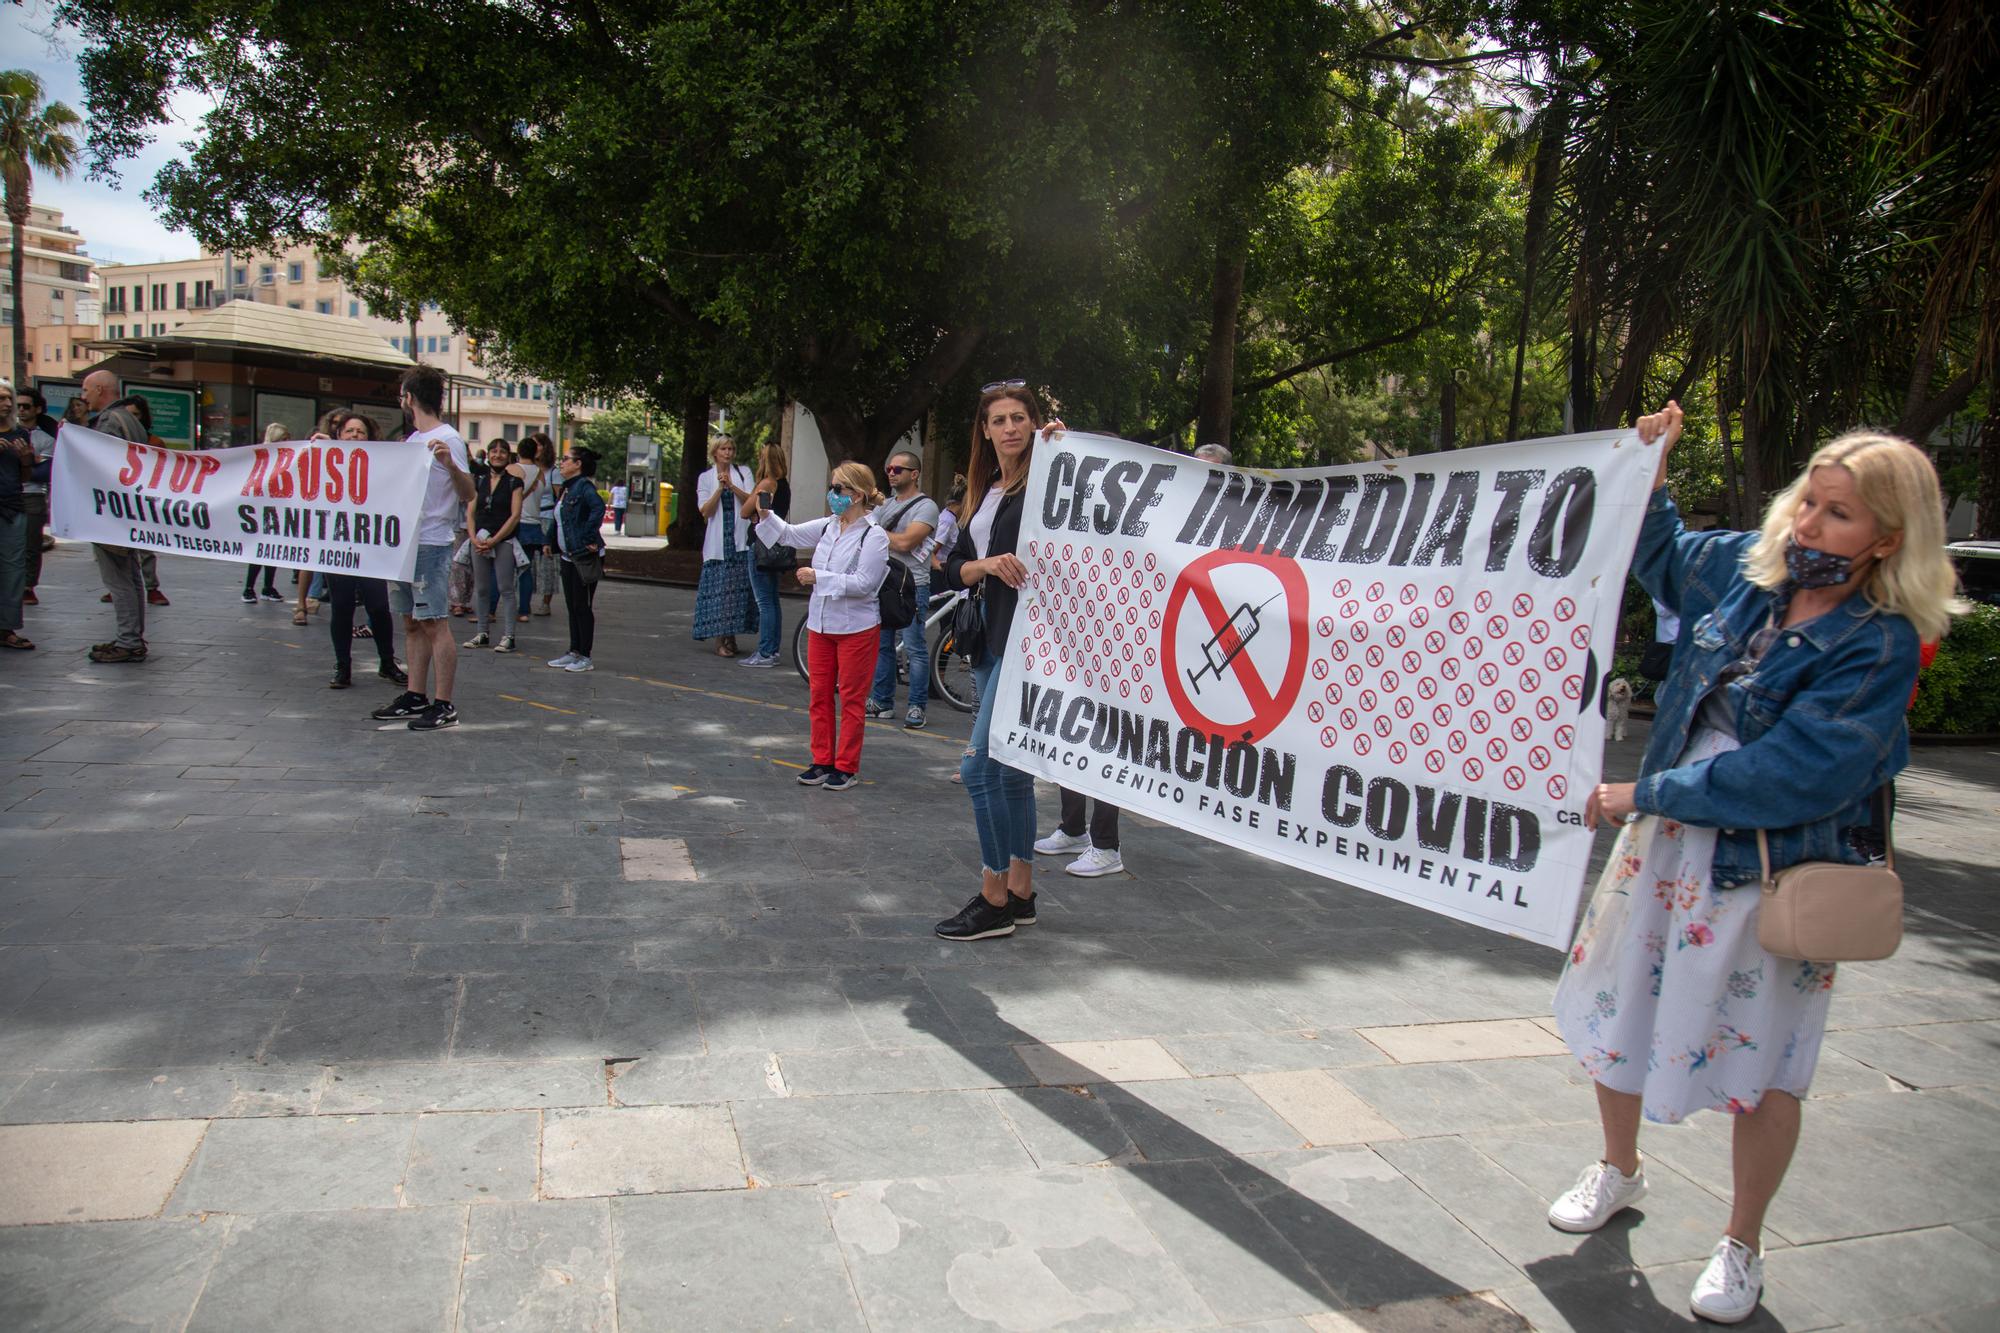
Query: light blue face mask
[[838, 502]]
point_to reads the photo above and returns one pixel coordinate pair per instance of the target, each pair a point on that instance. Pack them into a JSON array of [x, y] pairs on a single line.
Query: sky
[[116, 221]]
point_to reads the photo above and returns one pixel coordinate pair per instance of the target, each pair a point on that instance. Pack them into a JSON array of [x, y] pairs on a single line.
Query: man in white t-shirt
[[424, 602], [621, 497]]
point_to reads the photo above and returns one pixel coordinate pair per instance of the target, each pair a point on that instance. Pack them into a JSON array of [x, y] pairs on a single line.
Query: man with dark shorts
[[423, 602]]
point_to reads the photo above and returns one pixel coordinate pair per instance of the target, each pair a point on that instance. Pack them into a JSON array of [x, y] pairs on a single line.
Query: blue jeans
[[884, 691], [1003, 798], [770, 616]]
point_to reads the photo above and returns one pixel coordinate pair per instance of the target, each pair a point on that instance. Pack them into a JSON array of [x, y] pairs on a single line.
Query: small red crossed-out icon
[[1538, 632], [1434, 762], [1396, 636], [1442, 597], [1456, 742], [1320, 668], [1325, 627], [1362, 743], [1348, 719], [1420, 616], [1427, 688], [1355, 675], [1513, 653], [1555, 659], [1420, 733], [1465, 694], [1359, 631], [1573, 686], [1580, 636], [1503, 701], [1398, 752], [1520, 730], [1473, 769], [1565, 736], [1349, 609], [1375, 591], [1458, 622], [1374, 655], [1531, 680], [1540, 757], [1404, 707], [1342, 587], [1333, 694], [1449, 668], [1496, 627], [1383, 727], [1489, 674], [1314, 711], [1547, 708], [1441, 715], [1339, 650], [1146, 691], [1408, 594], [1496, 749], [1328, 737], [1434, 642], [1564, 608], [1367, 700], [1412, 663], [1514, 778], [1474, 648], [1524, 605], [1558, 787], [1480, 721], [1482, 600]]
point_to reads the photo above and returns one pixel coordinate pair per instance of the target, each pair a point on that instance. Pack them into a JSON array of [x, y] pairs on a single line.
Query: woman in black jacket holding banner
[[1003, 799]]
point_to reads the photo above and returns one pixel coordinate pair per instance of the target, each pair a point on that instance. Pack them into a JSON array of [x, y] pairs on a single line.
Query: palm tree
[[33, 138]]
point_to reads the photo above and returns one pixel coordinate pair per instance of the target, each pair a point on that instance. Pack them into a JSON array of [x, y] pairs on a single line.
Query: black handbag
[[589, 567], [776, 559], [968, 625]]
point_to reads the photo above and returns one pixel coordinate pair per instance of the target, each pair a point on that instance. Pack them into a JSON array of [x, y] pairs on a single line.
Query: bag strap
[[1880, 799]]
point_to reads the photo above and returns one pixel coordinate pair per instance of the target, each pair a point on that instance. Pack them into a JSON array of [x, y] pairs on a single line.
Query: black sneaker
[[978, 920], [836, 780], [1022, 908], [435, 718], [342, 678], [273, 595], [250, 596], [390, 671], [407, 704], [815, 775], [873, 709]]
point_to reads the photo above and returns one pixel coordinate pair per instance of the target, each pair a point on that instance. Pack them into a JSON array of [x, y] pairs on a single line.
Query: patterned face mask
[[1816, 569]]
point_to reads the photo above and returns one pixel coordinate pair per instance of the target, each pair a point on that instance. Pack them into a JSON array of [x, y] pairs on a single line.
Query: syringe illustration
[[1229, 642]]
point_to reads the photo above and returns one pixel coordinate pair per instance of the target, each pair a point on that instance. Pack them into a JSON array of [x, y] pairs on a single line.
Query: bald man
[[118, 566]]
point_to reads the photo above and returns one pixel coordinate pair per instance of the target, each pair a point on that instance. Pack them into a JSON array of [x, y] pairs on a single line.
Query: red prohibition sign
[[1434, 642], [1383, 727], [1522, 729], [1315, 711], [1558, 787], [1383, 613], [1359, 631], [1138, 635], [1398, 753], [1089, 678], [1531, 680], [1442, 597], [1333, 694], [1124, 689], [1404, 708], [1540, 756], [1580, 636], [1124, 596], [1159, 583], [1362, 744], [1069, 673], [1513, 653], [1348, 719], [1097, 627], [1391, 681], [1465, 694], [1565, 737], [1524, 605], [1489, 674], [1396, 636], [1125, 651], [1456, 742], [1319, 668], [1473, 769], [1325, 627], [1069, 552], [1419, 617], [1546, 709], [1349, 609], [1458, 622], [1496, 627], [1554, 659], [1434, 762], [1474, 648], [1129, 561], [1086, 554], [1427, 688], [1355, 674], [1441, 715], [1564, 608], [1538, 632], [1449, 668], [1419, 733], [1153, 620], [1514, 778], [1573, 686], [1367, 700], [1374, 656], [1328, 737], [1339, 650], [1146, 694], [1504, 701], [1152, 656], [1480, 721], [1408, 594], [1496, 749], [1152, 561], [1047, 648], [1375, 591], [1482, 601], [1342, 587], [1412, 663]]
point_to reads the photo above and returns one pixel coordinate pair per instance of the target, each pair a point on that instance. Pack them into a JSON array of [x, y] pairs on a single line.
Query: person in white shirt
[[724, 604], [850, 556], [423, 602], [621, 499]]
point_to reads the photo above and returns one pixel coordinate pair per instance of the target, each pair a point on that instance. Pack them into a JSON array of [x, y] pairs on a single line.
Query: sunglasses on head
[[1003, 384]]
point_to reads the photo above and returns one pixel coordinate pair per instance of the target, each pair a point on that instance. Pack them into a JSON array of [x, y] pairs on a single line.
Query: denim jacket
[[580, 511], [1820, 721]]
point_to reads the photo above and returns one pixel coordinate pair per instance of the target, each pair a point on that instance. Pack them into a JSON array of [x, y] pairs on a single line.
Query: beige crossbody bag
[[1829, 912]]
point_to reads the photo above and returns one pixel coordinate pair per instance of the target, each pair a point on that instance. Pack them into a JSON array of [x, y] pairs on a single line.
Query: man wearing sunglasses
[[909, 518]]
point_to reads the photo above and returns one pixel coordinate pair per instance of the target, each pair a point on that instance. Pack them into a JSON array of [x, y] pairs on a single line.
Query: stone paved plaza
[[585, 1016]]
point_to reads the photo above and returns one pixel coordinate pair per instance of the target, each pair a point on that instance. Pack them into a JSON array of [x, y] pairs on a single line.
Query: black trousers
[[35, 504], [250, 577], [577, 596], [343, 590], [1103, 819]]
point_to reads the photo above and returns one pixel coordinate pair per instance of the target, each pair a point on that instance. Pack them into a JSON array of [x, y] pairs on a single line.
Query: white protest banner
[[1386, 673], [346, 508]]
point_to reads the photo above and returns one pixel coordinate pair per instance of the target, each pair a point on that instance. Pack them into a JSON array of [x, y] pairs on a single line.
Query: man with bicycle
[[908, 517]]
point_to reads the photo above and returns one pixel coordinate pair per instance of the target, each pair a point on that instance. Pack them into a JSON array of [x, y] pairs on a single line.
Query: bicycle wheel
[[951, 673], [799, 651]]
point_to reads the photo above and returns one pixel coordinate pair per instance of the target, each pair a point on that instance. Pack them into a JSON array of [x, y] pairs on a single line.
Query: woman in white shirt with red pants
[[850, 556]]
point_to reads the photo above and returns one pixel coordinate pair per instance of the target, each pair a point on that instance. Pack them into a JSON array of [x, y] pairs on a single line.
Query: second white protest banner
[[1384, 673], [347, 508]]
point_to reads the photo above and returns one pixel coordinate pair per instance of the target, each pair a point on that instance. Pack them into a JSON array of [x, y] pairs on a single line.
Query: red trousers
[[846, 663]]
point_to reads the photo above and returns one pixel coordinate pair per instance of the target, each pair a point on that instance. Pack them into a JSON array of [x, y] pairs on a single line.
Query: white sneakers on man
[[1728, 1289], [1059, 842], [1599, 1193], [1095, 861]]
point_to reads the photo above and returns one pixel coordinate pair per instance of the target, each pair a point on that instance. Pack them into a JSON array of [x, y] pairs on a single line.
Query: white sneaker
[[1059, 842], [1095, 861], [1728, 1289], [1599, 1193], [754, 660], [562, 661], [581, 664]]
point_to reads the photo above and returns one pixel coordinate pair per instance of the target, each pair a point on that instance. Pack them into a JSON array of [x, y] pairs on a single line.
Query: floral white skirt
[[1668, 995]]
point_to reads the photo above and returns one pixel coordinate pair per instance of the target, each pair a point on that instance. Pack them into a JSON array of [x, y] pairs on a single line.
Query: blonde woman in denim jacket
[[1783, 711]]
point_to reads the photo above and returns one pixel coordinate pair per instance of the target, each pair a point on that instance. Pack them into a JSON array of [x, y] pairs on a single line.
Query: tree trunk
[[1215, 411], [20, 367], [1986, 515], [1541, 196], [1732, 483], [845, 434], [689, 526], [1448, 412]]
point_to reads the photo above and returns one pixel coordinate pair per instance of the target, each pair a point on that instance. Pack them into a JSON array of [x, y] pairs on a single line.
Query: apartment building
[[59, 295], [148, 300]]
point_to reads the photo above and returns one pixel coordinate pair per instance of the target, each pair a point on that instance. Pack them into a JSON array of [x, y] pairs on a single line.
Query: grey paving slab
[[805, 1140], [540, 1266], [1446, 1098], [473, 1157], [381, 1270], [299, 1164], [1595, 1295], [1930, 1271], [461, 1086], [1066, 1126], [1271, 1052], [1047, 1249], [904, 1069], [162, 1094], [1177, 1119], [139, 1022], [713, 1260], [555, 1015], [87, 1277], [727, 1077], [640, 1150], [334, 1018], [767, 1011]]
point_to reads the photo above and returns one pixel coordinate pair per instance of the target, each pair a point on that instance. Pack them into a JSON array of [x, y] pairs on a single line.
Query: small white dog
[[1618, 707]]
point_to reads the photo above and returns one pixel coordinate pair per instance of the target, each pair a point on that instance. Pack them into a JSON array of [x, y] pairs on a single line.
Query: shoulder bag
[[1829, 912]]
